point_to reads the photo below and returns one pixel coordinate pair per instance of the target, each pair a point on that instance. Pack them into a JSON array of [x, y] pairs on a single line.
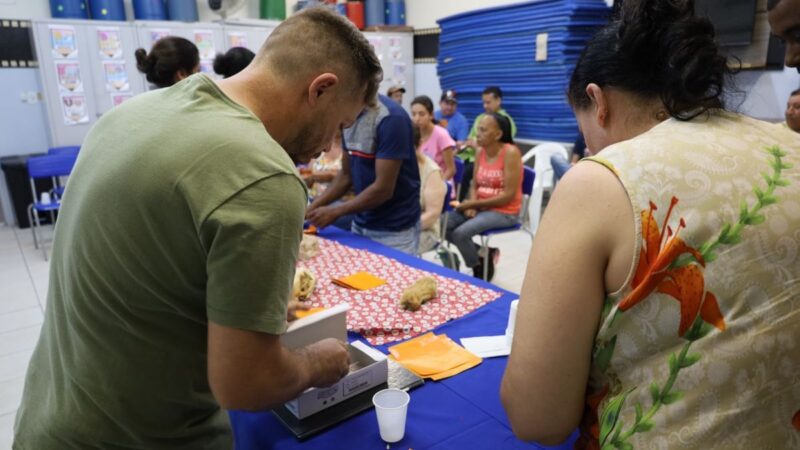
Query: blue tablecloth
[[461, 412]]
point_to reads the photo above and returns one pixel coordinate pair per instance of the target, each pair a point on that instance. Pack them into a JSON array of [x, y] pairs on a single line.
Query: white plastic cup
[[512, 322], [46, 199], [391, 407]]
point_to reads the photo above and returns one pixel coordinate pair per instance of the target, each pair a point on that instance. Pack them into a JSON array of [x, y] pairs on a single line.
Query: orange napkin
[[433, 356], [300, 313], [310, 230], [360, 281]]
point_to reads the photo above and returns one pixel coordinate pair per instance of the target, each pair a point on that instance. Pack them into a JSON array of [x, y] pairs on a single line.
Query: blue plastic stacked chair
[[497, 47]]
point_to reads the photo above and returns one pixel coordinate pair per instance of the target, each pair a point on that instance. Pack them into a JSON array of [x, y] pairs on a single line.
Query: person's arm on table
[[376, 194], [341, 185], [251, 241], [253, 371], [587, 229], [511, 179]]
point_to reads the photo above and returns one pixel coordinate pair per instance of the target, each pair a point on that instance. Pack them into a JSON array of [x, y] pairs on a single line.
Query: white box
[[368, 368]]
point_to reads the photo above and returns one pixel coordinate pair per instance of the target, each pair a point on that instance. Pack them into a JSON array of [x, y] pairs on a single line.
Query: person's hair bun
[[233, 61], [656, 49], [142, 62]]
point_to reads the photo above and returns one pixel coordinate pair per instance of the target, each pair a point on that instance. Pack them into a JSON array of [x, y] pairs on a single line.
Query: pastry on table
[[423, 290], [304, 283], [309, 247]]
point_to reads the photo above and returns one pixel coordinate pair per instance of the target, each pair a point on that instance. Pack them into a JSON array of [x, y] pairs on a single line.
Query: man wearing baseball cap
[[449, 117], [396, 93]]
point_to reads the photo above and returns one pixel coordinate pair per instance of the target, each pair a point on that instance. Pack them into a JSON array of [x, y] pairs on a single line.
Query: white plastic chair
[[544, 178]]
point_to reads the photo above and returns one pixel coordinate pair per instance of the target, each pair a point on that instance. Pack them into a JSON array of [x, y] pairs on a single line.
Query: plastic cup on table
[[391, 407]]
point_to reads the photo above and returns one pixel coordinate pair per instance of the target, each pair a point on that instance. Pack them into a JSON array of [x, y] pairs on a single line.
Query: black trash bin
[[15, 169]]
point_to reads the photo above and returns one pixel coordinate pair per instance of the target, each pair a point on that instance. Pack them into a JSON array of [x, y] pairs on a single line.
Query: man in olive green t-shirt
[[175, 251]]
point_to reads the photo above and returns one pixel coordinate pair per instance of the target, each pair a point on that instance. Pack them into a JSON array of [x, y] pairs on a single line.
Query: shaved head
[[317, 40]]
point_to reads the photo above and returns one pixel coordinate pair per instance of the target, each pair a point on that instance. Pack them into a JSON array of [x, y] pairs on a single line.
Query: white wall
[[766, 92]]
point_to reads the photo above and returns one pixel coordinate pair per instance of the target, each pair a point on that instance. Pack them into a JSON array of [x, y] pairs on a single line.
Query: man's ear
[[599, 102], [324, 84]]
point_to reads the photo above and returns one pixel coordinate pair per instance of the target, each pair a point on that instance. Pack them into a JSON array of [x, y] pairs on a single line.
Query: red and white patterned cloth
[[376, 313]]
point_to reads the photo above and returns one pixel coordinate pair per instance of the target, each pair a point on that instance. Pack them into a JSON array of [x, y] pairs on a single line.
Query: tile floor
[[23, 291]]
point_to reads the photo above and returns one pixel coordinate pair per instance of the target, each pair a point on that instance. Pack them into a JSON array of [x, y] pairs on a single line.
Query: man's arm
[[252, 371]]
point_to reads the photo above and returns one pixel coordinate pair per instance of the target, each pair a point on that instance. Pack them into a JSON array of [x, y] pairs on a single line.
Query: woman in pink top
[[495, 196], [436, 141]]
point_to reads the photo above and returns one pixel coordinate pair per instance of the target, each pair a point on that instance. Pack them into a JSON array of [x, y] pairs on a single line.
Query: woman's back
[[700, 348]]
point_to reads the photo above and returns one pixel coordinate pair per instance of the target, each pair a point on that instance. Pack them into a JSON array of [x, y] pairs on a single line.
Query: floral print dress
[[701, 347]]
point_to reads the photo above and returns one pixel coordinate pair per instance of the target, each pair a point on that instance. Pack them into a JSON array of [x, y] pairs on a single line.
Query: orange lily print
[[657, 272]]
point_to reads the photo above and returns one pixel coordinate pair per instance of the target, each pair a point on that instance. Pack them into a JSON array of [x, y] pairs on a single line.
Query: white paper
[[204, 40], [74, 110], [541, 47], [63, 43], [116, 76], [237, 39], [68, 74], [487, 346], [109, 42]]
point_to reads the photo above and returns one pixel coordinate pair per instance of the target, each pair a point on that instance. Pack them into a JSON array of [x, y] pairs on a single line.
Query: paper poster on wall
[[116, 76], [397, 54], [237, 39], [74, 110], [204, 40], [156, 34], [63, 42], [109, 42], [117, 99], [399, 72], [68, 74], [395, 42], [377, 44]]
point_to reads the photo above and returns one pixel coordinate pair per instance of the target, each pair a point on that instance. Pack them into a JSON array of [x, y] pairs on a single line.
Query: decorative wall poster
[[68, 74], [156, 34], [63, 42], [237, 39], [109, 42], [395, 42], [116, 76], [204, 40], [117, 99], [399, 72], [74, 109], [377, 45], [397, 54]]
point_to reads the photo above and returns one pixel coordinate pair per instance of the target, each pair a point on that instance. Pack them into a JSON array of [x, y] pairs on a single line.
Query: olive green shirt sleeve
[[252, 241]]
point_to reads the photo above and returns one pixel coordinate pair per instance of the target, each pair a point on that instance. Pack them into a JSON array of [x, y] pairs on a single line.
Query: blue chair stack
[[497, 47]]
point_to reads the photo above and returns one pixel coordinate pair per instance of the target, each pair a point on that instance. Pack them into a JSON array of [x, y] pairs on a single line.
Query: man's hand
[[332, 361], [294, 306], [465, 206], [322, 216]]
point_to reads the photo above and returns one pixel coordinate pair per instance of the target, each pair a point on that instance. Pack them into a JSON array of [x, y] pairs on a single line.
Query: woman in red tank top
[[495, 196]]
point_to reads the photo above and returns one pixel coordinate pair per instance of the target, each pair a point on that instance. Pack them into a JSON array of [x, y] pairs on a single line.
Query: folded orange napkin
[[300, 313], [433, 356], [360, 281]]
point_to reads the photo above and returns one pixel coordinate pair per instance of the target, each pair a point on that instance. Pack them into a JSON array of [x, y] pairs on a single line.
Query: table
[[461, 412]]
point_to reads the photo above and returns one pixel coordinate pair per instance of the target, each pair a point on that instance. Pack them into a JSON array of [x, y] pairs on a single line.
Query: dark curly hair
[[168, 56], [655, 49]]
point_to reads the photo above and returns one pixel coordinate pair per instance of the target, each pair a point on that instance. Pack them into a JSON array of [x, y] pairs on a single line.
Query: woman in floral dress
[[661, 307]]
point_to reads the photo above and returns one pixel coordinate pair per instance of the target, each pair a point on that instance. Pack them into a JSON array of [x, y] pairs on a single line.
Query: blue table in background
[[461, 412]]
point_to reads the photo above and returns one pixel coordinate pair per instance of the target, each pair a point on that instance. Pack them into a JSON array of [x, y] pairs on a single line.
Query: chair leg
[[33, 229], [38, 224], [485, 249]]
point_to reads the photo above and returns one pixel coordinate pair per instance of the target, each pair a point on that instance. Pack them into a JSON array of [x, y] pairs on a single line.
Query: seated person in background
[[382, 170], [492, 104], [435, 141], [793, 112], [784, 20], [396, 93], [322, 170], [495, 196], [561, 166], [233, 61], [676, 333], [431, 197], [449, 117], [170, 60]]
